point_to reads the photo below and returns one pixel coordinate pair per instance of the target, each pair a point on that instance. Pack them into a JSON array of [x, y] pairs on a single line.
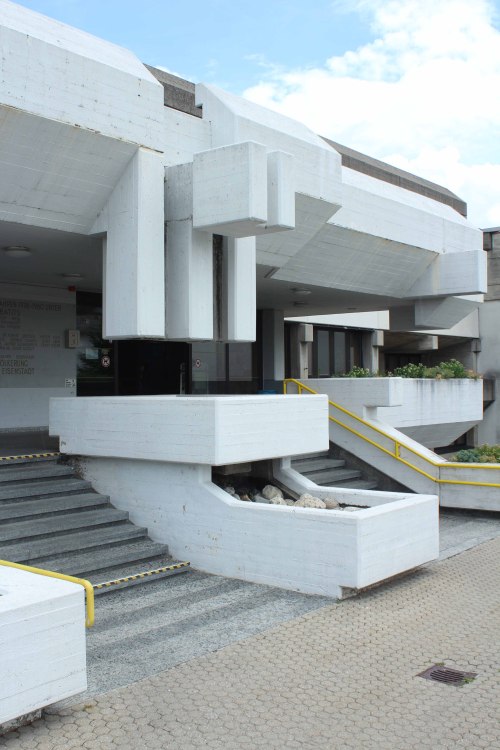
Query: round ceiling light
[[17, 251]]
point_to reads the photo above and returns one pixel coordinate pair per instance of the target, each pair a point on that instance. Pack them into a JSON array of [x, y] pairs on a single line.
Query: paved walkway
[[341, 677]]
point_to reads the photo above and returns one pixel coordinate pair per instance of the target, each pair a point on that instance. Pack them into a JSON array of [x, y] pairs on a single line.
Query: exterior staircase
[[52, 519], [331, 472]]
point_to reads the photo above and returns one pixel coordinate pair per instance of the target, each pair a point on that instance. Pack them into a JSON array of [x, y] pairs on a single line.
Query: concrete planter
[[42, 642], [432, 412]]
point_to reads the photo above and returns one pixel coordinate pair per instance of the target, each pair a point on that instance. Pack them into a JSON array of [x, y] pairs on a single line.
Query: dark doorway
[[147, 368]]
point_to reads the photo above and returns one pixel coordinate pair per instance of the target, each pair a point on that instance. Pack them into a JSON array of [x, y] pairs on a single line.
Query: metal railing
[[89, 591], [397, 445]]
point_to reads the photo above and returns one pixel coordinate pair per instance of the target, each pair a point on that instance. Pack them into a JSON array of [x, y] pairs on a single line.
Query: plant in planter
[[483, 454]]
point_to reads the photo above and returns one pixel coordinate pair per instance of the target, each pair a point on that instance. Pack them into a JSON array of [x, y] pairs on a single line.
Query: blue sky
[[412, 82], [225, 42]]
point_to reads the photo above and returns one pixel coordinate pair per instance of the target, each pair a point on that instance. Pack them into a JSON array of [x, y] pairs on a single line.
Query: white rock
[[350, 508], [277, 501], [244, 497], [309, 501], [330, 503], [271, 491], [228, 488]]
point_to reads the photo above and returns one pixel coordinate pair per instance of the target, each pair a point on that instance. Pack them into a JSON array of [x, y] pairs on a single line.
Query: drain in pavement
[[448, 676]]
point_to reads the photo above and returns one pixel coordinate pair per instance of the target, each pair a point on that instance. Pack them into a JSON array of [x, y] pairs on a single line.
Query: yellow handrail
[[89, 591], [396, 454]]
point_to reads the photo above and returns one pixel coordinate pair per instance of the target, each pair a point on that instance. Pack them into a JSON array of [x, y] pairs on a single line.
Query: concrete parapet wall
[[211, 430]]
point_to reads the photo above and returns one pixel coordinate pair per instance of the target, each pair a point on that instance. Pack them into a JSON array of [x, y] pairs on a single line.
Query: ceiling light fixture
[[17, 251], [300, 292], [72, 276]]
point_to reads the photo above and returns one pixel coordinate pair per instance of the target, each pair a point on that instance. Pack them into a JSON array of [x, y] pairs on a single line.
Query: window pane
[[323, 344], [339, 352]]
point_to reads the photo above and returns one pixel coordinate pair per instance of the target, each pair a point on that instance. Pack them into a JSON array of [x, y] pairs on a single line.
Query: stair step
[[50, 505], [360, 484], [316, 464], [33, 471], [149, 575], [38, 489], [333, 476], [85, 562], [59, 524], [90, 538]]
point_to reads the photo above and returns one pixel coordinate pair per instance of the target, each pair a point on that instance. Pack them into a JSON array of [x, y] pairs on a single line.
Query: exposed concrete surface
[[343, 676]]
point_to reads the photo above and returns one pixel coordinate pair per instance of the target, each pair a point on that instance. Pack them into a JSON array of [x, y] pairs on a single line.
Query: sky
[[415, 83]]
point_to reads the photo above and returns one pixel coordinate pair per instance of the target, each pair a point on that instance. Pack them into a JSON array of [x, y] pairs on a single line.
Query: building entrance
[[143, 367]]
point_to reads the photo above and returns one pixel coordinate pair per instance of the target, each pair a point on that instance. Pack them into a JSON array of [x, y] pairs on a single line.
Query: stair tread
[[50, 505], [333, 475], [54, 524], [33, 471], [317, 464], [91, 538], [87, 561], [132, 569], [356, 484], [31, 489]]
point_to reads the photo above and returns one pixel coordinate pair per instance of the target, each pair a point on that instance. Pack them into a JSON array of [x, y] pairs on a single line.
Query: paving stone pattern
[[343, 676]]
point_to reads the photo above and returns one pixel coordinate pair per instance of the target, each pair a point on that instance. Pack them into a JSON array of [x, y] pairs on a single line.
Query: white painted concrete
[[432, 412], [134, 265], [189, 263], [42, 642], [61, 73], [211, 430], [314, 551], [239, 306]]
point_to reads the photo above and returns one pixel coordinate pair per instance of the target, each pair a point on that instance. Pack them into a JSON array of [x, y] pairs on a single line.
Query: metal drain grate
[[448, 676]]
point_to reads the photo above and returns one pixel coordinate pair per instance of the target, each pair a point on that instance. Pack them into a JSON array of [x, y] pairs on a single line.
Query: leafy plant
[[444, 371], [483, 454], [359, 372]]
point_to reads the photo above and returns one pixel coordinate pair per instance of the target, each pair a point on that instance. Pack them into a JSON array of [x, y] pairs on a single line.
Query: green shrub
[[359, 372], [483, 454], [444, 371]]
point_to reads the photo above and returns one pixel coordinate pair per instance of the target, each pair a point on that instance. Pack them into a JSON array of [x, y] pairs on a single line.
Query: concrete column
[[239, 290], [300, 350], [189, 263], [273, 348], [371, 343], [133, 283]]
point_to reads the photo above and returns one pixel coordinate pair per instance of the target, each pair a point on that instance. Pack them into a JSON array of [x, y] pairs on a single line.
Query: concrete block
[[42, 642]]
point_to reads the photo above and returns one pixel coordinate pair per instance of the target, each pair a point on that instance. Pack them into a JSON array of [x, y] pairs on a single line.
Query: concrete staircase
[[52, 519], [331, 472]]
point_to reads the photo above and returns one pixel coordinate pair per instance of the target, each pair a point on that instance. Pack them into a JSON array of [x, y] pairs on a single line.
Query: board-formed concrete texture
[[210, 430], [42, 642], [308, 550], [432, 412]]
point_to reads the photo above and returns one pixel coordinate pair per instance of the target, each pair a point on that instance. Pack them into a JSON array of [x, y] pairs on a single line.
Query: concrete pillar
[[133, 283], [371, 343], [300, 350], [273, 348], [189, 263], [239, 289]]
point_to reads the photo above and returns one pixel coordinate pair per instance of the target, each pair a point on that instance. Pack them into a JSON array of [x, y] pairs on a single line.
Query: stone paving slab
[[341, 677]]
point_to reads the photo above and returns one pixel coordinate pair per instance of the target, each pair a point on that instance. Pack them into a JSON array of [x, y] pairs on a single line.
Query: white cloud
[[423, 94]]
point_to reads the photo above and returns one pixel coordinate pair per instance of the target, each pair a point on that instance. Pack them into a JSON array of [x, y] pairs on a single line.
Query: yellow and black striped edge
[[146, 574], [29, 455]]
